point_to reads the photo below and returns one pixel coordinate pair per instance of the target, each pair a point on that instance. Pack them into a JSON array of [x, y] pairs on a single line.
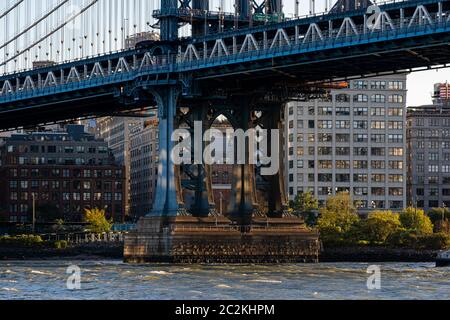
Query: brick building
[[62, 171]]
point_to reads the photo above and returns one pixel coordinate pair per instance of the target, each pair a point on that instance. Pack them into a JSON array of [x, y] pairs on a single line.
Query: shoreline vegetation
[[383, 236]]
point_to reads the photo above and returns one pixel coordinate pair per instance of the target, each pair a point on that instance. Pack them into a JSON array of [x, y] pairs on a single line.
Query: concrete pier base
[[217, 240]]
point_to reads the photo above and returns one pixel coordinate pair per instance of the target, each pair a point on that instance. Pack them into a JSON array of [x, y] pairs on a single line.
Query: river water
[[39, 280]]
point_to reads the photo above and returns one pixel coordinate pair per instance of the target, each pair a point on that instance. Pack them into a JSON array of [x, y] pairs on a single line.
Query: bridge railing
[[330, 39]]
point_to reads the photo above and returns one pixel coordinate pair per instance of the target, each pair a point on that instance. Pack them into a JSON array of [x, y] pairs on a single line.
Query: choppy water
[[115, 280]]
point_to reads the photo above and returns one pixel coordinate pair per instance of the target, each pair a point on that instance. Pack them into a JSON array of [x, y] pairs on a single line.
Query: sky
[[420, 85]]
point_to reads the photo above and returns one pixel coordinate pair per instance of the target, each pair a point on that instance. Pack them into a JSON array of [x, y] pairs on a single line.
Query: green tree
[[338, 218], [440, 218], [415, 220], [97, 220], [379, 226], [304, 205]]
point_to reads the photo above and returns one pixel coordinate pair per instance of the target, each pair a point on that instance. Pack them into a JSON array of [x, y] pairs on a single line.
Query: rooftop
[[73, 133]]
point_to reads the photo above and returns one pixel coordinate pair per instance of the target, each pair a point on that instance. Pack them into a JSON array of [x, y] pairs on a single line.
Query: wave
[[223, 286], [10, 289], [265, 281], [41, 273], [161, 273], [151, 278], [7, 272]]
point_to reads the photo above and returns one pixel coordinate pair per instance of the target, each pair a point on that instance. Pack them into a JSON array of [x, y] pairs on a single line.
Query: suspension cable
[[19, 53], [11, 9], [33, 25]]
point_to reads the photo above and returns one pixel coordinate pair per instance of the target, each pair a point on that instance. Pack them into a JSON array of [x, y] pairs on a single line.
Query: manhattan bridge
[[242, 59]]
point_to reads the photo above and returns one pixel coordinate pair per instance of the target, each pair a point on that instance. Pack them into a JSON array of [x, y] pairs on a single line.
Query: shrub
[[337, 219], [379, 226], [97, 220], [436, 241], [415, 220], [60, 244], [22, 240], [304, 204], [402, 238], [436, 214], [408, 239]]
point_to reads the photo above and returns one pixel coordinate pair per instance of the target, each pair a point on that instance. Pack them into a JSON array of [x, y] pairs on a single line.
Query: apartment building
[[66, 170], [429, 155], [352, 140], [144, 154], [115, 131]]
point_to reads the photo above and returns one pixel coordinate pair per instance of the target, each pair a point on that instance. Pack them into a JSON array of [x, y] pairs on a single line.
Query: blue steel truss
[[317, 41]]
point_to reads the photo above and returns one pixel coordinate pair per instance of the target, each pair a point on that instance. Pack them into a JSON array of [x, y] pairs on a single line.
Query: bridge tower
[[194, 231], [199, 27], [247, 8], [169, 20]]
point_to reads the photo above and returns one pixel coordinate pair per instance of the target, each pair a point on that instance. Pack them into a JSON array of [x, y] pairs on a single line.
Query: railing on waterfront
[[84, 238]]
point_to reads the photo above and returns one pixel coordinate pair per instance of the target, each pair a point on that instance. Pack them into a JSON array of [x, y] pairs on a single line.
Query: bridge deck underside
[[59, 107], [348, 62], [239, 78]]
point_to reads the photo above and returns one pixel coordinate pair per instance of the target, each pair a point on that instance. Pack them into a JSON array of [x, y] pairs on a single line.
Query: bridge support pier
[[167, 195], [171, 234], [243, 197]]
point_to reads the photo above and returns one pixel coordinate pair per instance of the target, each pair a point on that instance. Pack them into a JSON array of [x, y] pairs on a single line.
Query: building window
[[360, 191], [378, 138], [395, 138], [360, 178], [360, 151], [360, 164], [396, 152], [325, 124], [342, 164], [395, 85], [395, 125], [378, 85], [378, 177], [433, 168], [342, 111], [378, 152], [342, 151], [342, 98], [378, 191], [360, 111], [396, 165], [395, 112], [395, 98], [361, 98], [396, 192], [378, 98], [360, 138], [342, 124], [395, 178], [378, 164], [325, 111], [360, 124], [325, 164], [342, 137]]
